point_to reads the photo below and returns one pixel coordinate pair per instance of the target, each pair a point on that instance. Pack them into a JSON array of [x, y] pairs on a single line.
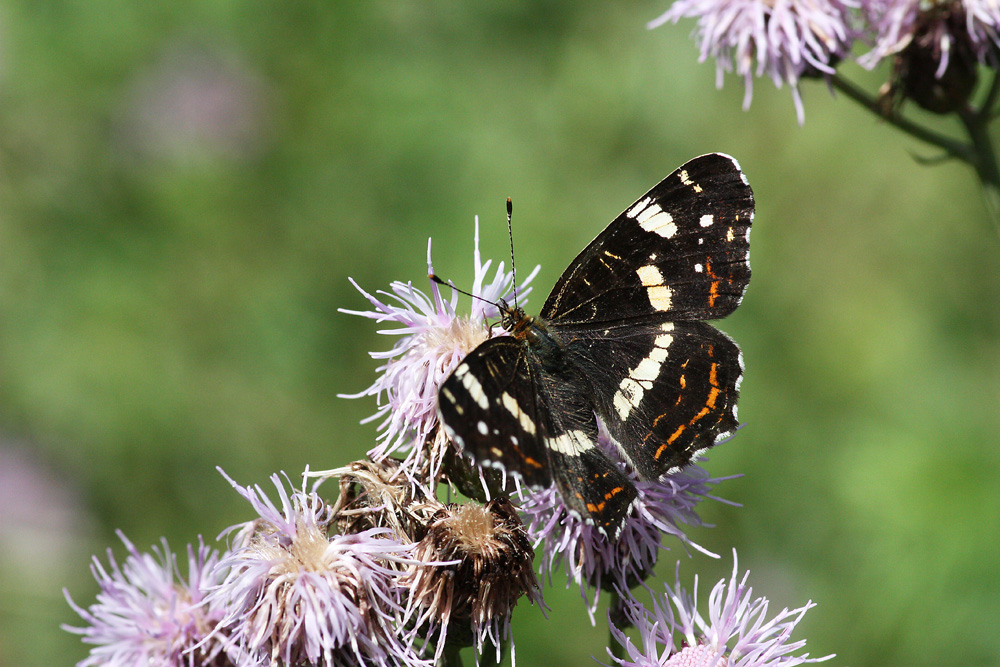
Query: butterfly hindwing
[[505, 410], [681, 252], [665, 391]]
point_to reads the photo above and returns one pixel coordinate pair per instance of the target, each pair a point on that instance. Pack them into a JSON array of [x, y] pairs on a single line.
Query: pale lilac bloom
[[434, 339], [148, 614], [735, 633], [293, 593], [894, 24], [788, 39], [983, 23], [593, 560]]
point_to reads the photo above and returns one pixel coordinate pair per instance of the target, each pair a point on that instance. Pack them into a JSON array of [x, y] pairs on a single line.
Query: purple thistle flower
[[790, 39], [895, 23], [592, 559], [434, 339], [983, 23], [147, 614], [736, 632], [935, 49], [294, 594]]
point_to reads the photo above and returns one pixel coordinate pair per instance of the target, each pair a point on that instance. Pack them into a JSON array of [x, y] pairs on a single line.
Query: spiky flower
[[374, 495], [475, 562], [736, 632], [293, 593], [935, 48], [433, 340], [788, 39], [148, 614], [592, 560]]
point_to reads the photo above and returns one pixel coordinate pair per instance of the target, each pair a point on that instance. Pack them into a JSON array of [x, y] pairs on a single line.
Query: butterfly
[[621, 336]]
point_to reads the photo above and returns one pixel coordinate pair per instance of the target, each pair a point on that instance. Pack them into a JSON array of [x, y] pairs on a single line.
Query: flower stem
[[985, 157], [979, 153], [451, 656], [953, 148]]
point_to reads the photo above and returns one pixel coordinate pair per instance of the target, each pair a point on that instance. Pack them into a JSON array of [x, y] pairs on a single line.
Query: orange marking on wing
[[709, 406], [713, 289], [673, 436], [653, 427], [599, 507], [532, 462]]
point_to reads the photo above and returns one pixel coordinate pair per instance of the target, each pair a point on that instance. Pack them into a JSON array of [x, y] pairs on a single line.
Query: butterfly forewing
[[490, 407], [681, 252]]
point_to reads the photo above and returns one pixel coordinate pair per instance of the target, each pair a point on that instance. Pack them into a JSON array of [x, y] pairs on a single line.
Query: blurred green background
[[186, 186]]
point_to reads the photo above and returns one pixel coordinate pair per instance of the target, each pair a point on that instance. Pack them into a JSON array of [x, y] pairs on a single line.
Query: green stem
[[451, 656], [985, 158], [948, 145], [986, 110], [979, 153]]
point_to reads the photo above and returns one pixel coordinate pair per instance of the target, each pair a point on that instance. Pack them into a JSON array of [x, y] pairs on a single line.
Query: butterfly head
[[514, 319]]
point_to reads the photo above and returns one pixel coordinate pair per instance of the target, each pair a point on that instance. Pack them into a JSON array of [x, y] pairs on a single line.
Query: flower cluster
[[934, 46], [388, 574]]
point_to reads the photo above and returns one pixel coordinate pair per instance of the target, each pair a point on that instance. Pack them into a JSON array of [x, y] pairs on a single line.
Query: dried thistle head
[[377, 494], [482, 564]]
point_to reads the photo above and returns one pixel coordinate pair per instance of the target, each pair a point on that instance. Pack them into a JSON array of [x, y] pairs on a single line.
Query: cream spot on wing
[[648, 369], [514, 409], [706, 220], [570, 443], [638, 208], [659, 297], [629, 395], [472, 385], [655, 219], [649, 275], [663, 341]]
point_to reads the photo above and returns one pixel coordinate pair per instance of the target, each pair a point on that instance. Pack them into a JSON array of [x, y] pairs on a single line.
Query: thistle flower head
[[789, 39], [147, 614], [590, 558], [476, 563], [735, 633], [374, 495], [433, 340], [935, 48], [294, 594]]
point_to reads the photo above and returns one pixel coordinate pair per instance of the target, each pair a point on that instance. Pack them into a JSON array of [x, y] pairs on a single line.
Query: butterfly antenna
[[447, 283], [510, 235]]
